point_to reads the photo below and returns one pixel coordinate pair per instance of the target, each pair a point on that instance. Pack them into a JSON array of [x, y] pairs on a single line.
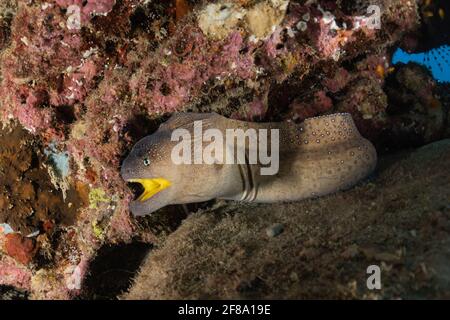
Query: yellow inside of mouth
[[151, 186]]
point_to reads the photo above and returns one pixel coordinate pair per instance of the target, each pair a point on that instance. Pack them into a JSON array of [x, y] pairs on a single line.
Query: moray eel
[[317, 157], [433, 50]]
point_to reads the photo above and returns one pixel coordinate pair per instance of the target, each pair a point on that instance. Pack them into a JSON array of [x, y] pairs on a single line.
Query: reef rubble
[[399, 222]]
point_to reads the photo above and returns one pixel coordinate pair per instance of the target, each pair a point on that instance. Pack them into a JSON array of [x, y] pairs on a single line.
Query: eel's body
[[320, 156]]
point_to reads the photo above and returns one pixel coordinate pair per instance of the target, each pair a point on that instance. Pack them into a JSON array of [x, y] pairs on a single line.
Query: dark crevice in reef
[[65, 115], [113, 269], [354, 7], [136, 188], [138, 127], [142, 125]]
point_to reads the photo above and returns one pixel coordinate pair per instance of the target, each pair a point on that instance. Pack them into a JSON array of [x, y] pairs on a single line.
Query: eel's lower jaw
[[151, 187]]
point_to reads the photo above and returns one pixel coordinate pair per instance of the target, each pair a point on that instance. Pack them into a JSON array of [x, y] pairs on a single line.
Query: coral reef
[[89, 91]]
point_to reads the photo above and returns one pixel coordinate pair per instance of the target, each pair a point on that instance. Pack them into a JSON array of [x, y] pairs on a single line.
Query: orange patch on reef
[[380, 71], [20, 248]]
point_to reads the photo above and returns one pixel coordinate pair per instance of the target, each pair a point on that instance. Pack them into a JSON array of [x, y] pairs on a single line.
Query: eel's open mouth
[[150, 187]]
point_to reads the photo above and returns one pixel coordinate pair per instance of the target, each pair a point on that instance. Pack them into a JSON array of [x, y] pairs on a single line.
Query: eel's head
[[149, 167]]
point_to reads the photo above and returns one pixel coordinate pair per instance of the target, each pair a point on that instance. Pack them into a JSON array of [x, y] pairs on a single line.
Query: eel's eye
[[146, 161]]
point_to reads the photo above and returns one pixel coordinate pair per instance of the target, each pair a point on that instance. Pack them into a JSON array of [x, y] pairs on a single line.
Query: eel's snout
[[125, 171]]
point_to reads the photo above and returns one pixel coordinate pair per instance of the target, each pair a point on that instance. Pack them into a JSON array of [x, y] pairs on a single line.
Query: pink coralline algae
[[168, 84], [337, 82], [96, 90], [14, 275]]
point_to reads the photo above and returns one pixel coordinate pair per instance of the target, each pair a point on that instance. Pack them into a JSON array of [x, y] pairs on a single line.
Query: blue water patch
[[436, 60], [6, 228], [58, 159]]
